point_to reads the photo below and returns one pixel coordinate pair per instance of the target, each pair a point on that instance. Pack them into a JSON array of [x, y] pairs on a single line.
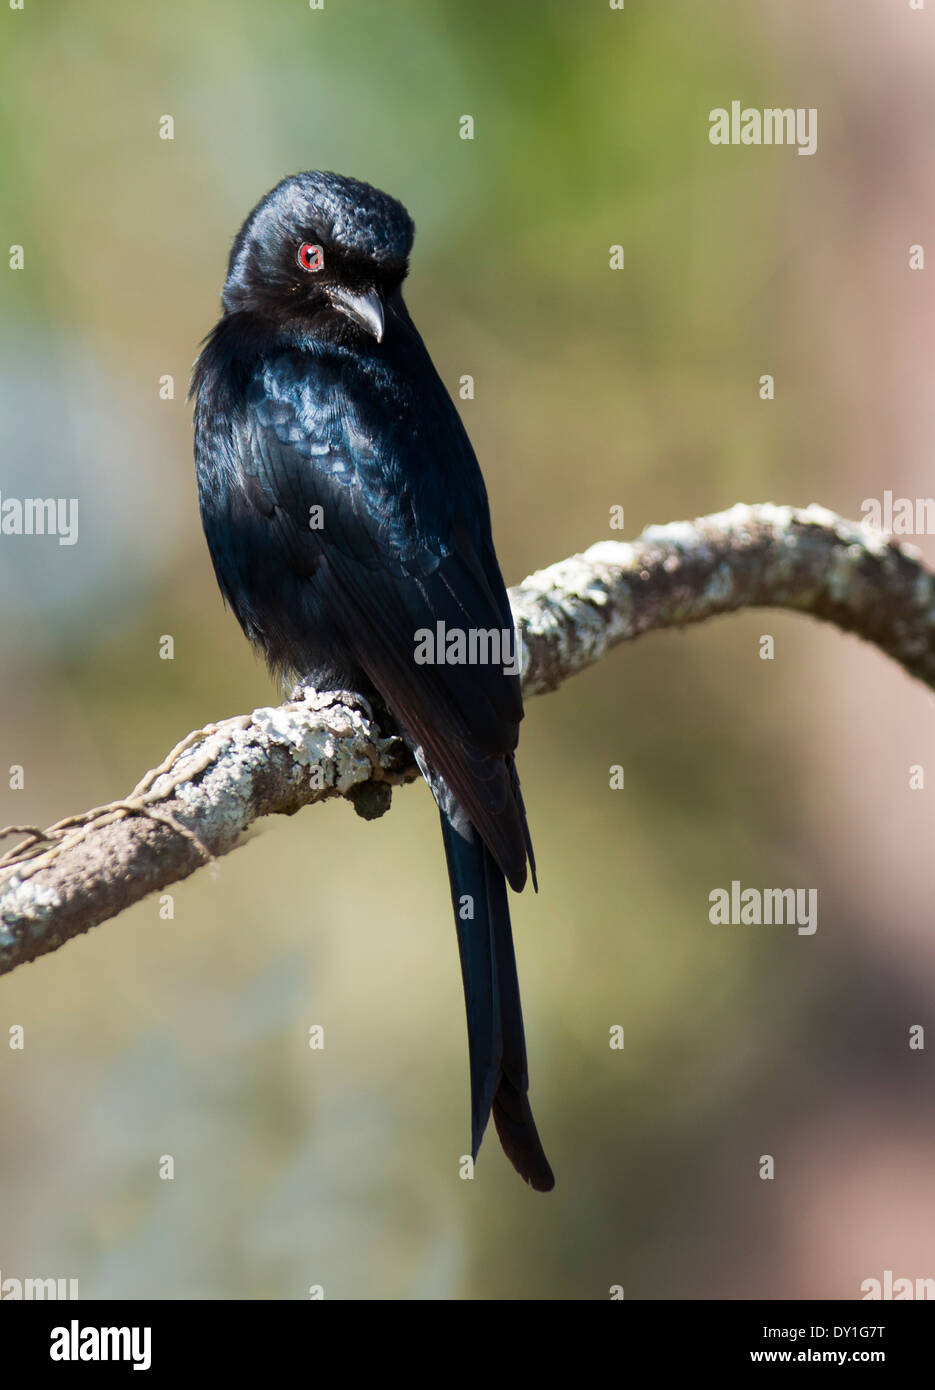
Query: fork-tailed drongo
[[345, 513]]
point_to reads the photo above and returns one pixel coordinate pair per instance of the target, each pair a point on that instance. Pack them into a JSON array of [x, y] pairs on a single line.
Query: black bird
[[345, 511]]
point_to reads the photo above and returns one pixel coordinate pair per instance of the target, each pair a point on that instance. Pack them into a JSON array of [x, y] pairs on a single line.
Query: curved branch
[[760, 556], [200, 801]]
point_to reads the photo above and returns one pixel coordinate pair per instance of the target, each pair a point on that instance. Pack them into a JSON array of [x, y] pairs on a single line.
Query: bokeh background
[[593, 388]]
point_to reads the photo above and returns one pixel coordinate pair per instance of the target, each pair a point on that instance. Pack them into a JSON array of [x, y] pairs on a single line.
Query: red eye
[[311, 257]]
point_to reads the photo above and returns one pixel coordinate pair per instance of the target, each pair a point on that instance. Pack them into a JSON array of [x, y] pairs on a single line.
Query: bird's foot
[[306, 693]]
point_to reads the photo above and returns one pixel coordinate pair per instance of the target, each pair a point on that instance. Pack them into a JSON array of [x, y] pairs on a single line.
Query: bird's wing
[[403, 544]]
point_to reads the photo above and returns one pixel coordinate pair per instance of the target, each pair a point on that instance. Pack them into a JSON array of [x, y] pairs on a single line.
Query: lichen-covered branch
[[197, 805], [761, 556]]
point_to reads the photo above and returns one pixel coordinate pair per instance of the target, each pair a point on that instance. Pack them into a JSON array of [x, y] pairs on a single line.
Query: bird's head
[[323, 252]]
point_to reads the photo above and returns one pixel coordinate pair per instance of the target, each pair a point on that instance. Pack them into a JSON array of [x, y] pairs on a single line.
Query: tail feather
[[496, 1041]]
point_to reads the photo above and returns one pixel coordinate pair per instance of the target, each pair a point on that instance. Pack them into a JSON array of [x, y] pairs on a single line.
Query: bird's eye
[[311, 257]]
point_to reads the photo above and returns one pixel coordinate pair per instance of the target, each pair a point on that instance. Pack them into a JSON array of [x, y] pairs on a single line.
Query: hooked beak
[[365, 307]]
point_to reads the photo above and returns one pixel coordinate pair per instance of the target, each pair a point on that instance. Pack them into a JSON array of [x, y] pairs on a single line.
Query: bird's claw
[[321, 699]]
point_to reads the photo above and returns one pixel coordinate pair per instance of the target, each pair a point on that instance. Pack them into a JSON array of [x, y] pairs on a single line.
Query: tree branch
[[197, 805]]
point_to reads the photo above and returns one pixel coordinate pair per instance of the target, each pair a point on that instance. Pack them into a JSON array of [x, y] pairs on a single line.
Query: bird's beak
[[364, 307]]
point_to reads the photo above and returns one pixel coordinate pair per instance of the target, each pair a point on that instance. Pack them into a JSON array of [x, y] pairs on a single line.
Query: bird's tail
[[496, 1041]]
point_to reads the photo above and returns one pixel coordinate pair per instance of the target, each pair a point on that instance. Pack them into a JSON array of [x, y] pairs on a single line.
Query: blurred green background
[[593, 388]]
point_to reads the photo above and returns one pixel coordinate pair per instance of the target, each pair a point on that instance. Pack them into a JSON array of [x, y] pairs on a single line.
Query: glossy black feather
[[499, 1080]]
